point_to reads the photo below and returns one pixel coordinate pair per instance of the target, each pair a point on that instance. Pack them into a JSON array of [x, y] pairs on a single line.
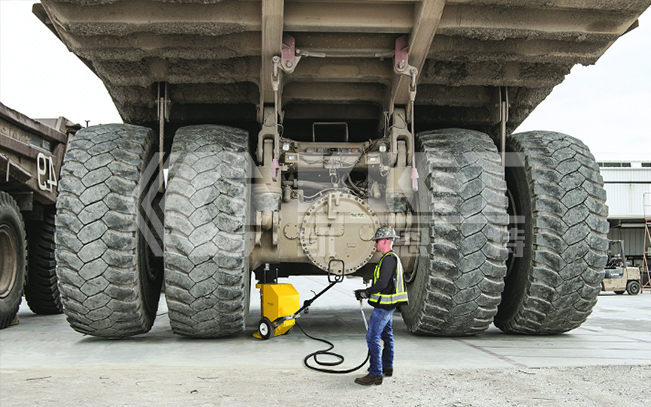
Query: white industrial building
[[626, 184]]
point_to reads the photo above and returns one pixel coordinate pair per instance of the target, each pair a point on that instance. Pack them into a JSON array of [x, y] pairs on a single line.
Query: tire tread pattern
[[570, 242], [42, 290], [97, 231], [460, 276], [206, 240]]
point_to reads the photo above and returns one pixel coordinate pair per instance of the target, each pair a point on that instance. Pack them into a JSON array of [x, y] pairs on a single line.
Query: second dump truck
[[30, 161], [293, 129]]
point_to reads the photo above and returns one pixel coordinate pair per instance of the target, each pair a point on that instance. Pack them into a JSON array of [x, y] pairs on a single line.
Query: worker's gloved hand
[[360, 294]]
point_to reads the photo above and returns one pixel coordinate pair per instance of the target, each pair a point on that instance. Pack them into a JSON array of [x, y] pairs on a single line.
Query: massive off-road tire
[[42, 290], [108, 284], [207, 275], [462, 205], [559, 239], [13, 258]]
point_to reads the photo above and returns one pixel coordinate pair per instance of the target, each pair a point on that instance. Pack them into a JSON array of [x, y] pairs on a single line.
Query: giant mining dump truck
[[290, 130], [30, 161]]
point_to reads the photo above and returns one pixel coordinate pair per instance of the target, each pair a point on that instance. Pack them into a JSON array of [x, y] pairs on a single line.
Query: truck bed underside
[[216, 56]]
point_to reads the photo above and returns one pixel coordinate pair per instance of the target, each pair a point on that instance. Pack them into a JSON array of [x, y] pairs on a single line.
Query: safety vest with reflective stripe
[[400, 294]]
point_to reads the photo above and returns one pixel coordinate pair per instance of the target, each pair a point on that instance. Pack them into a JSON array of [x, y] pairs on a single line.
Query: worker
[[386, 293]]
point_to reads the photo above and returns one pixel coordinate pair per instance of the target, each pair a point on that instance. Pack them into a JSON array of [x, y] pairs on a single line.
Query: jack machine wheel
[[266, 328], [109, 284], [13, 258], [558, 235], [462, 208], [207, 278]]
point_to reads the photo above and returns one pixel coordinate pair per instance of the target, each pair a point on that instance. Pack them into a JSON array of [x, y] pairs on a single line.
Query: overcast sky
[[607, 106]]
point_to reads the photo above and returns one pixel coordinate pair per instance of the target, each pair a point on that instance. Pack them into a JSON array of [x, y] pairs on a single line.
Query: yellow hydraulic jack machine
[[280, 304]]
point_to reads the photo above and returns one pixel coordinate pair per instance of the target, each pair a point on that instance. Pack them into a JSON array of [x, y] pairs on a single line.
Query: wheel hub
[[9, 262], [339, 226]]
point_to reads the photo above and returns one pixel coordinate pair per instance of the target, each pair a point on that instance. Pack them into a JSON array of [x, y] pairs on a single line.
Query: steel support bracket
[[401, 59], [163, 102], [288, 56], [286, 62], [269, 130], [500, 115], [401, 67], [399, 131], [164, 106]]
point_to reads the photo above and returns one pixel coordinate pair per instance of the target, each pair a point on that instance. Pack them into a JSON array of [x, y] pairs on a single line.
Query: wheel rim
[[264, 329], [9, 261]]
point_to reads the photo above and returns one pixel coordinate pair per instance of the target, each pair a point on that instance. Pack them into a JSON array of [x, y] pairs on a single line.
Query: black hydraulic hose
[[340, 358], [314, 355]]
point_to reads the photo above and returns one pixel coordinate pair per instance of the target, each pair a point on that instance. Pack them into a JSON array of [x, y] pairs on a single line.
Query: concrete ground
[[605, 362]]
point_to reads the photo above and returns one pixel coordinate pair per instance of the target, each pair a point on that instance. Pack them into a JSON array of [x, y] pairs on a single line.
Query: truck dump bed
[[30, 155], [216, 56]]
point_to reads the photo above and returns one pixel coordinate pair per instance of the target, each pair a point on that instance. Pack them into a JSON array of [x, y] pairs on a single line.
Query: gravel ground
[[245, 386]]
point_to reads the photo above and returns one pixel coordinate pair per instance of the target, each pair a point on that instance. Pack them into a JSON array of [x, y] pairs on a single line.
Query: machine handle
[[337, 277]]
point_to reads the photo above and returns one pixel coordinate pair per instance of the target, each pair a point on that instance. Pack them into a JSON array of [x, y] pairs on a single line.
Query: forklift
[[619, 276]]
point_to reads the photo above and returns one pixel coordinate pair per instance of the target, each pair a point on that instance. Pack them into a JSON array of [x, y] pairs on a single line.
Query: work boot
[[386, 373], [368, 380]]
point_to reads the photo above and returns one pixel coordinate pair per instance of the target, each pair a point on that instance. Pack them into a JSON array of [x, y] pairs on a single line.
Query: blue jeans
[[380, 327]]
